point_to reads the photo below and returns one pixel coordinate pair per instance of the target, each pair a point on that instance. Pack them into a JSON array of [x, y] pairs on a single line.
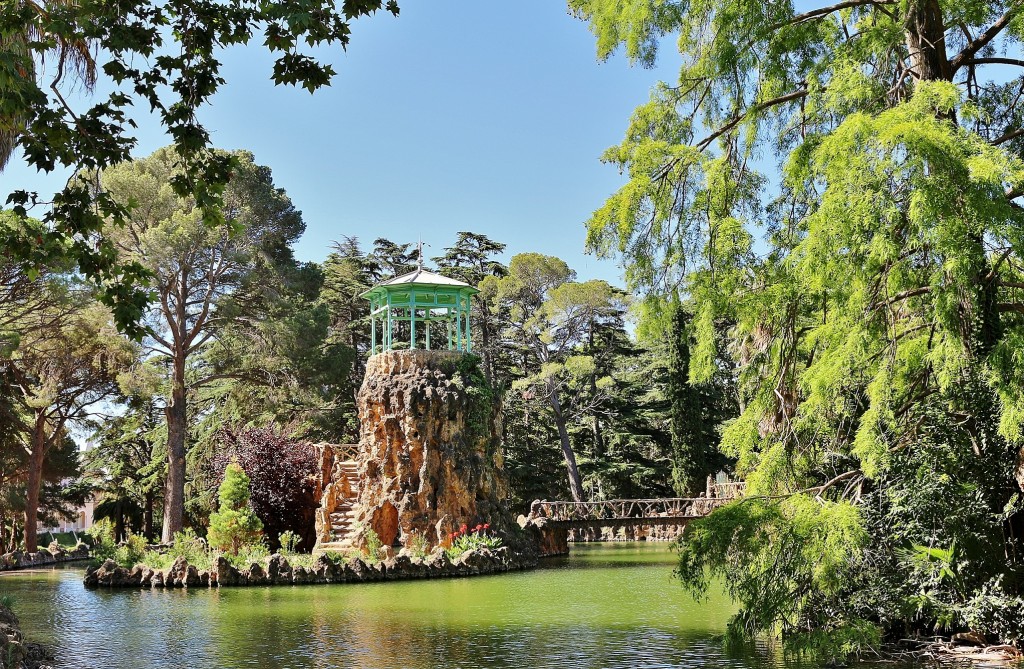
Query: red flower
[[478, 528], [463, 528], [487, 526]]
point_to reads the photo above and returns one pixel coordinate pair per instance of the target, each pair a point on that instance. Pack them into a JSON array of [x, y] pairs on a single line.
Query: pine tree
[[234, 524]]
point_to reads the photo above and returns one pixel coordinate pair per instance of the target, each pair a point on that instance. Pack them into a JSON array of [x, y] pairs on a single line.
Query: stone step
[[333, 547]]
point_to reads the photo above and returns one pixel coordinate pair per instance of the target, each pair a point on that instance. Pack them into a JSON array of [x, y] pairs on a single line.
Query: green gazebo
[[412, 308]]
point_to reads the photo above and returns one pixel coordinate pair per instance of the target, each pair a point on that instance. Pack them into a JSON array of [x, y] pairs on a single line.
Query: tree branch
[[913, 292], [825, 11], [1007, 136], [736, 120], [1014, 307], [994, 61], [979, 42]]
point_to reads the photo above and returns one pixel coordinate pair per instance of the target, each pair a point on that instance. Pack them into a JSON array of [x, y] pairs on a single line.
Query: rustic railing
[[732, 490], [627, 509], [344, 452]]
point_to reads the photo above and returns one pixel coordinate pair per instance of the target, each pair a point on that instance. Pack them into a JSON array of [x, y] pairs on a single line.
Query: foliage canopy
[[835, 188]]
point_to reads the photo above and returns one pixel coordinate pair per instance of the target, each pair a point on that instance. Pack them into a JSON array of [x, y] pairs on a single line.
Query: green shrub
[[247, 554], [192, 547], [417, 545], [235, 524], [131, 552], [373, 547], [288, 540], [101, 540]]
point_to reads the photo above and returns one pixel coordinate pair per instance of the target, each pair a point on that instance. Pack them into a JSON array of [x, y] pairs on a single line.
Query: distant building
[[82, 520]]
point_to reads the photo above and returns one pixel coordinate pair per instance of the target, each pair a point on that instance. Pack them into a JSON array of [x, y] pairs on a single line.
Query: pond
[[606, 605]]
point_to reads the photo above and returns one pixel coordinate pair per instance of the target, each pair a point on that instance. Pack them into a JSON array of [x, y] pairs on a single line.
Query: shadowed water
[[610, 605]]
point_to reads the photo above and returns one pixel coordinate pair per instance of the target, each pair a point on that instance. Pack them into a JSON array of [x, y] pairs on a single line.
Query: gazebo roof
[[421, 277]]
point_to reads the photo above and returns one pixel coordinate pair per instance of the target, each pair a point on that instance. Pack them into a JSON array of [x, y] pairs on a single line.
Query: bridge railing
[[731, 490], [620, 509]]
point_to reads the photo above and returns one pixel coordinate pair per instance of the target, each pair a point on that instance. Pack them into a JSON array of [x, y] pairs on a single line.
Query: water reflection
[[607, 606]]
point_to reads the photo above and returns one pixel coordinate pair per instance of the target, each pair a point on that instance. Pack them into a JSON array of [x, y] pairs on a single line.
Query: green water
[[611, 605]]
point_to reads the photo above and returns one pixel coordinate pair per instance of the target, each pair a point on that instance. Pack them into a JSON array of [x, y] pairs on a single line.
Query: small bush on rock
[[417, 545], [247, 554], [373, 546], [101, 540], [288, 541]]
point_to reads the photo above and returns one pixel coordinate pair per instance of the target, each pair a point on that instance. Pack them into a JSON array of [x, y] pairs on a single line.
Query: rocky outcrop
[[276, 570], [15, 652], [550, 538], [44, 556], [430, 457]]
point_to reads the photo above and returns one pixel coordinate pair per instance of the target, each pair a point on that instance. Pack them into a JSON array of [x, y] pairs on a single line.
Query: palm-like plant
[[70, 56]]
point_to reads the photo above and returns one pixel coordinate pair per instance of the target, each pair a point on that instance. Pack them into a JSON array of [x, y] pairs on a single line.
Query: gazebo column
[[412, 319], [391, 325], [469, 329], [458, 328]]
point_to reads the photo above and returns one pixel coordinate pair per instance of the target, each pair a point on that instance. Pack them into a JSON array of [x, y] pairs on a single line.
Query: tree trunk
[[174, 491], [485, 341], [596, 422], [119, 520], [575, 484], [147, 517], [34, 482], [926, 41]]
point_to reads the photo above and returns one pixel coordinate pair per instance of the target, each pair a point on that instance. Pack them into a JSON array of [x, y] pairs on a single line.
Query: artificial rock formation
[[430, 455]]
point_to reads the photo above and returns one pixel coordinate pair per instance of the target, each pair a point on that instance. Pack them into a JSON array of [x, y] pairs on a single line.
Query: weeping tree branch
[[736, 120], [732, 123]]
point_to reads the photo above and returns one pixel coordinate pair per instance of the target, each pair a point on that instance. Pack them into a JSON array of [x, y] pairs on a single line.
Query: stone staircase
[[337, 514]]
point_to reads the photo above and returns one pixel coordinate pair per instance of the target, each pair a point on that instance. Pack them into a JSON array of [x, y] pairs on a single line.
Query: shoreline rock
[[276, 570], [15, 651], [638, 532], [42, 557]]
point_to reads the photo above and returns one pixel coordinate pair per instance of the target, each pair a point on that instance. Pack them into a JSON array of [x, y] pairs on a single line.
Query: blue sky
[[457, 115]]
